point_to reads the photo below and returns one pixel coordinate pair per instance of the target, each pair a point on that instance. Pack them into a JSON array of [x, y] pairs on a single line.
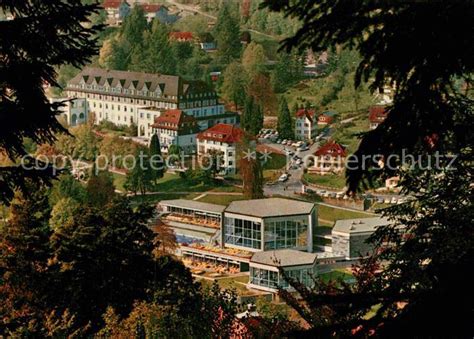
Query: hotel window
[[286, 234], [243, 233]]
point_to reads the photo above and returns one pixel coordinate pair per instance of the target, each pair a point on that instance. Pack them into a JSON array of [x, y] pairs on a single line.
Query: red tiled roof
[[112, 3], [332, 149], [377, 114], [172, 119], [151, 8], [304, 112], [325, 118], [181, 35], [223, 133]]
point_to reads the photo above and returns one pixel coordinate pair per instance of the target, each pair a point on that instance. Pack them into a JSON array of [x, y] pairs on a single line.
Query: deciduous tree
[[234, 84]]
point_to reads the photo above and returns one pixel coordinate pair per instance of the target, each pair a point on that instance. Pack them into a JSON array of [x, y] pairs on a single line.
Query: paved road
[[293, 184]]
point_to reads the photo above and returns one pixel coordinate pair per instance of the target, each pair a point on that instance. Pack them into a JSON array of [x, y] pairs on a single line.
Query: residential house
[[326, 118], [223, 139], [152, 10], [117, 11], [207, 42], [174, 127], [181, 36], [117, 96], [330, 158], [305, 126], [159, 12], [377, 114]]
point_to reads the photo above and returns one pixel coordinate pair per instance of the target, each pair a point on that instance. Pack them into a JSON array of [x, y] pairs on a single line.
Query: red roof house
[[330, 158], [326, 118], [303, 112], [151, 8], [112, 4], [377, 114], [176, 120], [224, 133], [332, 149], [181, 36]]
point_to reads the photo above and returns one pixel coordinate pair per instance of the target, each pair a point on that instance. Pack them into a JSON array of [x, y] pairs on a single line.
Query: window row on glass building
[[274, 280], [243, 233], [286, 234]]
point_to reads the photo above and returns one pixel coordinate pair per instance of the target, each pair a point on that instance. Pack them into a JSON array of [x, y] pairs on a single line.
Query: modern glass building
[[265, 268], [268, 224]]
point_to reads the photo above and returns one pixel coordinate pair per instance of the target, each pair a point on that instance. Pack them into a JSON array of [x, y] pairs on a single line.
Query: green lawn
[[313, 91], [231, 283], [329, 180], [221, 199], [333, 214], [336, 275], [276, 161], [119, 180], [175, 183]]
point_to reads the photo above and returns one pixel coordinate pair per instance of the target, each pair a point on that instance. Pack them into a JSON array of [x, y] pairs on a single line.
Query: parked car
[[394, 200], [309, 190], [302, 148], [283, 177], [299, 161], [279, 141]]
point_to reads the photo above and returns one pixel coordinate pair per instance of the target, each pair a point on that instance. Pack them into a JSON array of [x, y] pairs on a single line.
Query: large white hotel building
[[126, 98]]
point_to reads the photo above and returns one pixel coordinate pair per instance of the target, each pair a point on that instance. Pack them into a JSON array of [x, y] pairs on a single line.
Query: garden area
[[328, 180]]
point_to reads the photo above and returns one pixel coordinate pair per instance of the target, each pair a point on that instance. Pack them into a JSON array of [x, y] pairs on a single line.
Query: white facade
[[120, 110], [74, 111], [146, 117], [168, 137], [228, 152], [117, 96], [305, 129]]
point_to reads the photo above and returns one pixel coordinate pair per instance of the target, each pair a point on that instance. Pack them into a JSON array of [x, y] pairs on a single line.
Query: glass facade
[[243, 233], [286, 234], [271, 279]]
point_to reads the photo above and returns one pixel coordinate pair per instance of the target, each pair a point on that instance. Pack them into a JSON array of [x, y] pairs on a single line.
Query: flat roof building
[[265, 268], [349, 236], [268, 224]]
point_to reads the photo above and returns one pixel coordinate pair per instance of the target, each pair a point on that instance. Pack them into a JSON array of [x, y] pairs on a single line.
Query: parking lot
[[291, 182]]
